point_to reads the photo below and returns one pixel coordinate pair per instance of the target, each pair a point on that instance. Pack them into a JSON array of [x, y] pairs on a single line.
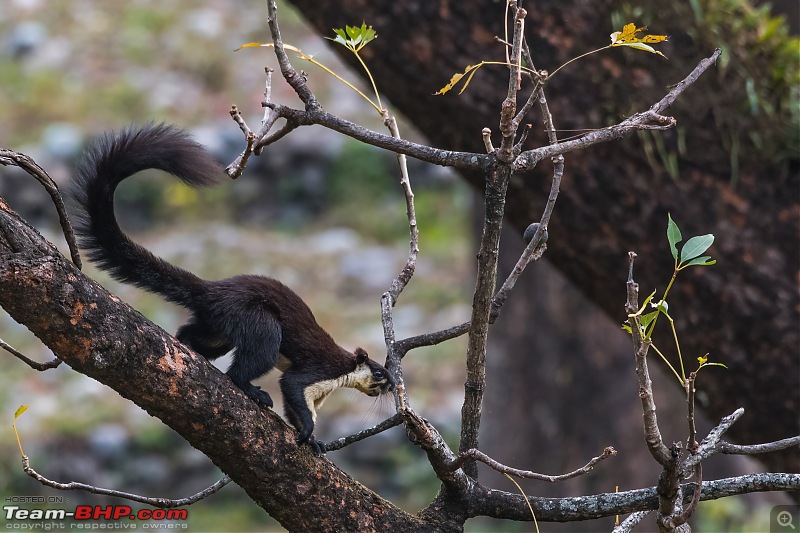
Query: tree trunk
[[724, 170]]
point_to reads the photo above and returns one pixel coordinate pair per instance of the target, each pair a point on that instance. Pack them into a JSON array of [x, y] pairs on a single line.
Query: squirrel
[[263, 321]]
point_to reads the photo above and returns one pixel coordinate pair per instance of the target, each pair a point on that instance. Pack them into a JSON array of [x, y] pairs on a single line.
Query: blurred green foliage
[[365, 192], [755, 118]]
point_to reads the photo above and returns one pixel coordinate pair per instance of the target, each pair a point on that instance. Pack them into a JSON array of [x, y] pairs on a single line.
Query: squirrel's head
[[371, 377]]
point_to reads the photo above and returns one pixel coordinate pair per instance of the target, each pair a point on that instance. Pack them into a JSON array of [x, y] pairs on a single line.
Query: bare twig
[[270, 117], [297, 82], [402, 279], [237, 117], [684, 84], [389, 298], [713, 444], [534, 249], [282, 132], [508, 129], [631, 522], [640, 347], [393, 356], [162, 503], [691, 441], [462, 160], [16, 159], [753, 449], [30, 362], [389, 423], [477, 455], [267, 98], [486, 133], [235, 169], [650, 119], [432, 339]]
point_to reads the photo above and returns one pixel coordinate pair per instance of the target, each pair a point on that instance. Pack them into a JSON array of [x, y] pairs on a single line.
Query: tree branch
[[652, 434], [296, 81], [753, 449], [161, 503], [16, 159], [460, 160], [512, 506], [389, 423], [100, 336], [30, 362], [650, 119], [477, 455]]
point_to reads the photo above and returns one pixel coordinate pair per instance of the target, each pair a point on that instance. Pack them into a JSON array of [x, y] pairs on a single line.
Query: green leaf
[[22, 409], [354, 38], [645, 320], [703, 365], [701, 261], [673, 236], [627, 327], [695, 246]]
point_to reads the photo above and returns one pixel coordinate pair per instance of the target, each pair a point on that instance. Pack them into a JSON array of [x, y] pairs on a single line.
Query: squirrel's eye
[[379, 374]]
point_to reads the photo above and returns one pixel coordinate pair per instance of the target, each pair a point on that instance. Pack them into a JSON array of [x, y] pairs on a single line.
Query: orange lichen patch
[[77, 312], [198, 427], [172, 362], [79, 348]]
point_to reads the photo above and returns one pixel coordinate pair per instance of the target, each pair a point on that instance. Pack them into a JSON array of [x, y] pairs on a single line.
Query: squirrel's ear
[[361, 356]]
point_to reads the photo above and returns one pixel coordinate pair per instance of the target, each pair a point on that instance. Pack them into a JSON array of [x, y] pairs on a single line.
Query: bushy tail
[[107, 162]]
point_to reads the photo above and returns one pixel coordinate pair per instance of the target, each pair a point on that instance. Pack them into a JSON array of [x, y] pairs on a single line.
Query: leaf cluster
[[690, 254], [354, 38]]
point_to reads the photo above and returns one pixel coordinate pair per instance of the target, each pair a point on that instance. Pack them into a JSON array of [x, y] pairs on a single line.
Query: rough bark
[[100, 336], [746, 309]]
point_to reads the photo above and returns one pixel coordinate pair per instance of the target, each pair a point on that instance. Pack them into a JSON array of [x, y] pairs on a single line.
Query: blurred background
[[322, 213]]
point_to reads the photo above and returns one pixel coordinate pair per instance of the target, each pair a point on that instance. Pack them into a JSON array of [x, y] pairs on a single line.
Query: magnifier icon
[[785, 519]]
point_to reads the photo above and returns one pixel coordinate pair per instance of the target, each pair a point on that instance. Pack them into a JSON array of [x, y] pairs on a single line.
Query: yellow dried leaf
[[628, 35], [22, 409], [251, 45], [470, 71]]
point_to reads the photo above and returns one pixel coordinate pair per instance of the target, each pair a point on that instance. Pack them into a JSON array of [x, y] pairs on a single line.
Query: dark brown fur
[[256, 316]]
